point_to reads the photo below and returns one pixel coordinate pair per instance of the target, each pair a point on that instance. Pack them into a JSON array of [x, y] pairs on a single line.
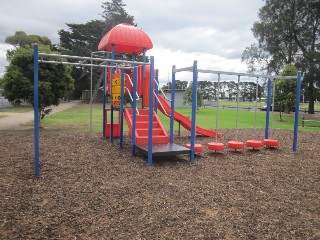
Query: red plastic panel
[[126, 39]]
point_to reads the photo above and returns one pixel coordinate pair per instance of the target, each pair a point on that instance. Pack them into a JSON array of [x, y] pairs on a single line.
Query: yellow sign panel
[[116, 97], [116, 81]]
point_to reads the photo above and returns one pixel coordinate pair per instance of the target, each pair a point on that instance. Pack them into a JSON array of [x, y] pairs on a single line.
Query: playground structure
[[145, 129], [140, 80]]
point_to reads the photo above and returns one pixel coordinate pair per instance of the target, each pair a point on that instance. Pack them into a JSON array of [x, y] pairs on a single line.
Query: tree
[[187, 96], [248, 91], [55, 81], [21, 39], [208, 89], [83, 39], [285, 90], [114, 13], [288, 32]]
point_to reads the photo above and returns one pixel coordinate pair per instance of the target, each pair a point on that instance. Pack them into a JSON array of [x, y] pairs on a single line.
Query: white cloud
[[3, 60], [214, 32]]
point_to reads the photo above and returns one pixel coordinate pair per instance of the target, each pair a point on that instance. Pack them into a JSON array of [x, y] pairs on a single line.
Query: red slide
[[165, 108]]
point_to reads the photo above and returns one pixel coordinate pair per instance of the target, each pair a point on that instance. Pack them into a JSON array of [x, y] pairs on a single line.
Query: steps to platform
[[159, 134]]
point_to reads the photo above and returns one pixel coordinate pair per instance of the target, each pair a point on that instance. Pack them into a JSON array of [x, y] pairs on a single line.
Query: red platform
[[271, 142], [254, 144], [197, 147], [235, 145], [215, 146]]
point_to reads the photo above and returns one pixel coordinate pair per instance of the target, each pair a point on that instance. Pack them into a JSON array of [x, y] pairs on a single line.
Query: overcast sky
[[213, 32]]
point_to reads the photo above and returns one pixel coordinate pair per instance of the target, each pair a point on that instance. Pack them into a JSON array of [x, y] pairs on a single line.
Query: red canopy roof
[[126, 39]]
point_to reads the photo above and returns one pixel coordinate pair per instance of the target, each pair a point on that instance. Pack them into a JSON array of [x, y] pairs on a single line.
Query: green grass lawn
[[259, 104], [206, 118], [78, 119]]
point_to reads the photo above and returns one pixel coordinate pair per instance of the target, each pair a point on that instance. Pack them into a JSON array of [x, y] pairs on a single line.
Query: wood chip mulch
[[89, 188]]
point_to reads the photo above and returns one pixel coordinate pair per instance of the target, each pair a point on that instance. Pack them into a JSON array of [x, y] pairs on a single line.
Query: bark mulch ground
[[89, 188]]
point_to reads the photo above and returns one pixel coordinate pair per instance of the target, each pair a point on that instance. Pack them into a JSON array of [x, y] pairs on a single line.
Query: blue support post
[[266, 133], [150, 111], [296, 114], [143, 74], [104, 93], [194, 110], [157, 91], [36, 108], [121, 108], [173, 87], [134, 110], [111, 108]]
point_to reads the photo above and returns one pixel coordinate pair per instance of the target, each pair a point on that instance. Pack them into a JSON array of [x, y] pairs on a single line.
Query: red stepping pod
[[254, 144], [235, 145], [271, 142], [215, 146], [197, 147]]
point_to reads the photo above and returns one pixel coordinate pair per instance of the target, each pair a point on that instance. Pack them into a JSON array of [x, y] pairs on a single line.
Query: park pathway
[[16, 121]]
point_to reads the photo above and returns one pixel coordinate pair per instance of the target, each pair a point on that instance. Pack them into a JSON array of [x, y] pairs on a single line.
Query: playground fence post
[[296, 113], [121, 108], [173, 87], [151, 97], [134, 110], [36, 109], [266, 133], [194, 109]]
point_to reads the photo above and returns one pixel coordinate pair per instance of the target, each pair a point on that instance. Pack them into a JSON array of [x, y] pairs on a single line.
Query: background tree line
[[288, 40], [58, 82], [288, 34]]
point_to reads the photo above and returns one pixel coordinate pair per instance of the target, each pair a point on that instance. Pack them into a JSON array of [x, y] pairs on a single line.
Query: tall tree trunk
[[96, 88], [311, 98]]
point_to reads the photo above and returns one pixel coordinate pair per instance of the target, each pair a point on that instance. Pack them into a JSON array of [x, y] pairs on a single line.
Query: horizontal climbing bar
[[93, 59], [245, 74], [183, 69], [82, 64]]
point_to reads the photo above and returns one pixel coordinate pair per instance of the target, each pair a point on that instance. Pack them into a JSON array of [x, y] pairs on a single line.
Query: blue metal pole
[[121, 107], [111, 108], [296, 113], [194, 110], [157, 91], [143, 74], [134, 110], [173, 87], [150, 111], [36, 108], [266, 133], [104, 92]]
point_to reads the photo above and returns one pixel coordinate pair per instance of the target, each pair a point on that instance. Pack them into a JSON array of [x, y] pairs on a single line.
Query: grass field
[[78, 119]]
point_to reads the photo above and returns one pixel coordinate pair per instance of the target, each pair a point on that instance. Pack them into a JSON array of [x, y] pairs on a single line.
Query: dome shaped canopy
[[126, 39]]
